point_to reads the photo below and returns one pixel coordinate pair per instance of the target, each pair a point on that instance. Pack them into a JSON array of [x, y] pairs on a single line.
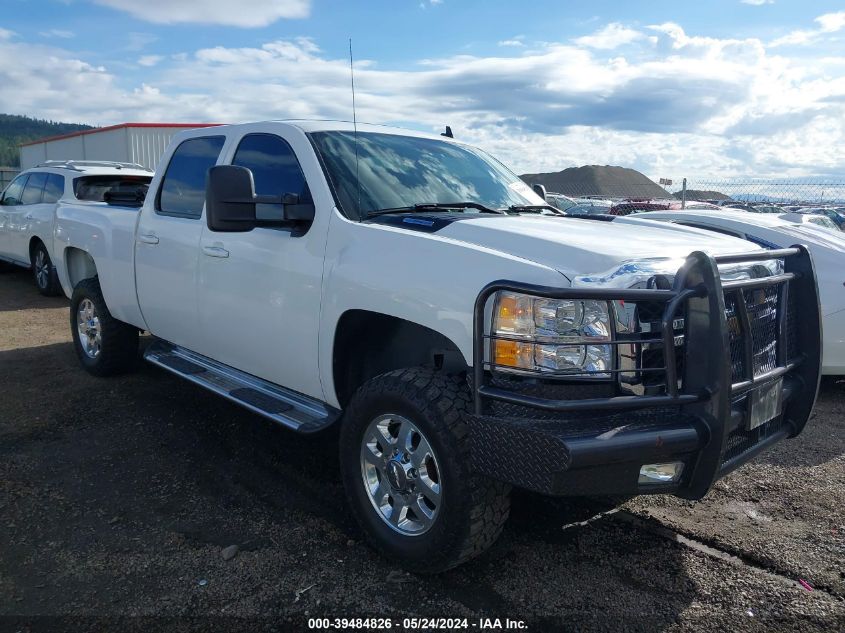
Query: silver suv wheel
[[400, 474], [42, 269], [90, 331]]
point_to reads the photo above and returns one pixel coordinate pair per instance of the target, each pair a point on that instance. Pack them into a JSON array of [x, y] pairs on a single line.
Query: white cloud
[[255, 13], [6, 34], [675, 103], [149, 60], [611, 36], [831, 22], [828, 23], [757, 3], [513, 43]]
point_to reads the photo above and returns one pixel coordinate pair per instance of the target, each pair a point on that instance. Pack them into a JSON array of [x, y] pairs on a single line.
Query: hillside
[[702, 194], [598, 180], [15, 129]]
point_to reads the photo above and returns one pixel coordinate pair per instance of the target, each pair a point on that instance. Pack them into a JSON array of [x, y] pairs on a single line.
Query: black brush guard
[[597, 445]]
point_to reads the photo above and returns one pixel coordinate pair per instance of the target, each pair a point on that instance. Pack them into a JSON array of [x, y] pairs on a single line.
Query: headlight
[[551, 335]]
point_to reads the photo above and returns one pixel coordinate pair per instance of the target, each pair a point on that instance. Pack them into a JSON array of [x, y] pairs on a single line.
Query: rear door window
[[182, 190], [12, 196], [54, 189], [34, 188]]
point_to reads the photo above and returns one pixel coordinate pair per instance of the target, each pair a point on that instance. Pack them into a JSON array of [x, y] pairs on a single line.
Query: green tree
[[16, 129]]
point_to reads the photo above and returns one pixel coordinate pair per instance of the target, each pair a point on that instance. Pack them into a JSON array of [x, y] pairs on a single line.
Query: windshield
[[401, 171]]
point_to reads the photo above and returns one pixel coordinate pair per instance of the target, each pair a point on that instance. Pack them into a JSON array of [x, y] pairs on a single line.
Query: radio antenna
[[355, 131]]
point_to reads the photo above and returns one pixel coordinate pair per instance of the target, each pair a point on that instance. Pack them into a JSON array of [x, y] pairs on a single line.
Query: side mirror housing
[[540, 190], [232, 206], [229, 199]]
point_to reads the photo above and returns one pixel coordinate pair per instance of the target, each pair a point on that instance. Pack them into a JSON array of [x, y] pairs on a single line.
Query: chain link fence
[[620, 191], [799, 192]]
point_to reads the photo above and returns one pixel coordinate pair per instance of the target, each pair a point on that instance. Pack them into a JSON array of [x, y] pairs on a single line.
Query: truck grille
[[762, 307], [741, 440]]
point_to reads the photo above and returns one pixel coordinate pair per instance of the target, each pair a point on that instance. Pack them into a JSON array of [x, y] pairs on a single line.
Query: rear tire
[[104, 345], [43, 271], [404, 445]]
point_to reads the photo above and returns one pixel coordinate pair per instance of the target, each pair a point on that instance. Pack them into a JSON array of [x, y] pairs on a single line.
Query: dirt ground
[[118, 497]]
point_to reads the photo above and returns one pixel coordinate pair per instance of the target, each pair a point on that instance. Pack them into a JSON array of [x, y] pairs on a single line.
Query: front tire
[[104, 345], [43, 271], [404, 459]]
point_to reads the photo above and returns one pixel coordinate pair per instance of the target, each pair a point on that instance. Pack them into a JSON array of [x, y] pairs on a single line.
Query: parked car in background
[[780, 231], [634, 206], [698, 205], [837, 216], [760, 207], [463, 341], [28, 205], [799, 217], [741, 206], [560, 201], [597, 207]]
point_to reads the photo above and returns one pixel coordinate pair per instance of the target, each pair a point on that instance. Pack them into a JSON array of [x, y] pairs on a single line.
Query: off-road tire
[[474, 508], [119, 347], [43, 271]]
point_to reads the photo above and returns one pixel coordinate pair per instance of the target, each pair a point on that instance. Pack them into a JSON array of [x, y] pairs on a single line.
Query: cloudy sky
[[716, 88]]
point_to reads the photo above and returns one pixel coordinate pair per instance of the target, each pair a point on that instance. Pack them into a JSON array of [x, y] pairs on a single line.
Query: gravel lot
[[118, 497]]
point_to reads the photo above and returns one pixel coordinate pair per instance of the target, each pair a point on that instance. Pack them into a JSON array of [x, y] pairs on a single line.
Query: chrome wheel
[[400, 474], [42, 269], [89, 329]]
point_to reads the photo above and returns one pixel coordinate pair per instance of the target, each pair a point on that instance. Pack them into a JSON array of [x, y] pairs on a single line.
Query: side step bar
[[289, 408]]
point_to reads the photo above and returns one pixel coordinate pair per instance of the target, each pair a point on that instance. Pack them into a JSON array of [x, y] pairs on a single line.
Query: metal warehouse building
[[141, 143]]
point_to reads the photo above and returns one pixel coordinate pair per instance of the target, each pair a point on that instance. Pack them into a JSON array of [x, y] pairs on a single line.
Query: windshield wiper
[[533, 208], [435, 206]]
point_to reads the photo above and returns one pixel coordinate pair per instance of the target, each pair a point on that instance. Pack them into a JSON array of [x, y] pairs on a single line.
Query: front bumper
[[596, 446]]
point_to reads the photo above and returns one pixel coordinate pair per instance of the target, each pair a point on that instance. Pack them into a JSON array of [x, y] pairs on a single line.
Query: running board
[[290, 409]]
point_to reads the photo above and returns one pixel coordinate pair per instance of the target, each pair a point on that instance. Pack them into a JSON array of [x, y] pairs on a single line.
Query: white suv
[[28, 205]]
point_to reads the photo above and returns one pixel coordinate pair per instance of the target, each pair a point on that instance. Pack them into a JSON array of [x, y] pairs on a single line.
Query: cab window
[[182, 191], [275, 169], [34, 188], [12, 195]]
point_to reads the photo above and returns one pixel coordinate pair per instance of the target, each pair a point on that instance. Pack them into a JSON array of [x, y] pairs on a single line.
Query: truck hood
[[576, 247]]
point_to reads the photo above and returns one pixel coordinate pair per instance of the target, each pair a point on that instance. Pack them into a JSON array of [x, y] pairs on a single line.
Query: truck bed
[[107, 233]]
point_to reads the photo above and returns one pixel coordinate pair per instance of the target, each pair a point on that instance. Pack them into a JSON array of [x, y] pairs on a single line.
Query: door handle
[[215, 251], [147, 238]]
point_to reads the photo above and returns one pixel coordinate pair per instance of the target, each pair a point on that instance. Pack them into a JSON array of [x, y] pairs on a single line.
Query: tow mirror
[[232, 206], [540, 190]]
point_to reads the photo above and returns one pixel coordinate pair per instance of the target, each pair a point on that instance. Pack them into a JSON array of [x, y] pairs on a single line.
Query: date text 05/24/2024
[[424, 624]]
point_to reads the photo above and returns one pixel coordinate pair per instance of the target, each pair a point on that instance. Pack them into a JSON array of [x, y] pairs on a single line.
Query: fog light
[[661, 473]]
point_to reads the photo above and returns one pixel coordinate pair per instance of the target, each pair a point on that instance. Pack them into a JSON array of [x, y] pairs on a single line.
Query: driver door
[[259, 291]]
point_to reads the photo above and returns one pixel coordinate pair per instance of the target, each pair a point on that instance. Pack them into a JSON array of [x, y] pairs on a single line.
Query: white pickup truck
[[464, 336], [28, 205]]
